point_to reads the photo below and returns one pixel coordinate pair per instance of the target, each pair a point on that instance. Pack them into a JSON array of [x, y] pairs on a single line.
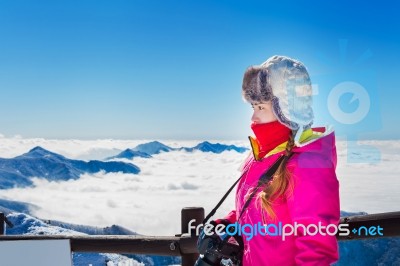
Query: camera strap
[[264, 178], [222, 200]]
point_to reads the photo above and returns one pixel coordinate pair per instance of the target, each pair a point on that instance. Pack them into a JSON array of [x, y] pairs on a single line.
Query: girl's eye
[[258, 107]]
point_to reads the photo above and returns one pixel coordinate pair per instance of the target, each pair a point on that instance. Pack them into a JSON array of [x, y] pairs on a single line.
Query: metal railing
[[184, 244]]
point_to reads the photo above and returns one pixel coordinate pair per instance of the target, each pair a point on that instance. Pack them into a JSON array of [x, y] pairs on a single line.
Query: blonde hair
[[279, 184]]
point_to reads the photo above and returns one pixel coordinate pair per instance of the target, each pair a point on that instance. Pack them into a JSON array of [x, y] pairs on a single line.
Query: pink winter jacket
[[314, 200]]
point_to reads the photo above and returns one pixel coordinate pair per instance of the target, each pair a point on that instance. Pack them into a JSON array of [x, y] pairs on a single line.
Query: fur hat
[[286, 83]]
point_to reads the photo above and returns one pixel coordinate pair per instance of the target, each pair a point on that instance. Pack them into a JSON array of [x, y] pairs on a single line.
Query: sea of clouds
[[150, 203]]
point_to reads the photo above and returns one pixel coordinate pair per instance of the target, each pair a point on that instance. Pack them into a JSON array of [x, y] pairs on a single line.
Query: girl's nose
[[255, 118]]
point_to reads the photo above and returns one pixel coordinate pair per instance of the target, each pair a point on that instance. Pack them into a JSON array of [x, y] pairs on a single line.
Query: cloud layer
[[150, 203]]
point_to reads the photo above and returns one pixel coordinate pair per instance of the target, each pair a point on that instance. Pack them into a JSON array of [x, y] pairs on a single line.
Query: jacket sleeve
[[315, 200]]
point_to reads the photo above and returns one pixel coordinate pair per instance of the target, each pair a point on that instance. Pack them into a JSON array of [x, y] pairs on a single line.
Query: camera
[[219, 249]]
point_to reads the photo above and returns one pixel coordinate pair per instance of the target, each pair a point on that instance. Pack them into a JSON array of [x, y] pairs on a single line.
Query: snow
[[28, 225]]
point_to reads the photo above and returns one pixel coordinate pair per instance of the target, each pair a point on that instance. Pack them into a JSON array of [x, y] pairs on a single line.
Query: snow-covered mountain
[[379, 251], [154, 147], [215, 148], [7, 206], [92, 230], [39, 162], [129, 154], [145, 150], [25, 224]]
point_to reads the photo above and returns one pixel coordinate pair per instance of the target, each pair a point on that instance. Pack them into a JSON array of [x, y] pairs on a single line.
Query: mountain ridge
[[39, 162]]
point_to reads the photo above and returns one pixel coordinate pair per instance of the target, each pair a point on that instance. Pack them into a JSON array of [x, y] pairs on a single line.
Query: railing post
[[2, 223], [188, 214]]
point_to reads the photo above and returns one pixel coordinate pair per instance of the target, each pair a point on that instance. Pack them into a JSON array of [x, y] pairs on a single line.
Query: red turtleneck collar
[[270, 135]]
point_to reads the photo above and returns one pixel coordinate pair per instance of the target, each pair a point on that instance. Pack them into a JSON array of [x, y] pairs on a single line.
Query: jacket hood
[[324, 146]]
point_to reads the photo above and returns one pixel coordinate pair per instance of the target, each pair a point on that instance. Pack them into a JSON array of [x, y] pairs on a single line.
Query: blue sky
[[173, 69]]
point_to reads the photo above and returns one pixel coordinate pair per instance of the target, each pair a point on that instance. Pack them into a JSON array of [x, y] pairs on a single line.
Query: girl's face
[[263, 113]]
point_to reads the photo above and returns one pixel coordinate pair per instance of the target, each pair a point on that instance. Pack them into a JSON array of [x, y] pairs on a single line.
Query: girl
[[304, 191]]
